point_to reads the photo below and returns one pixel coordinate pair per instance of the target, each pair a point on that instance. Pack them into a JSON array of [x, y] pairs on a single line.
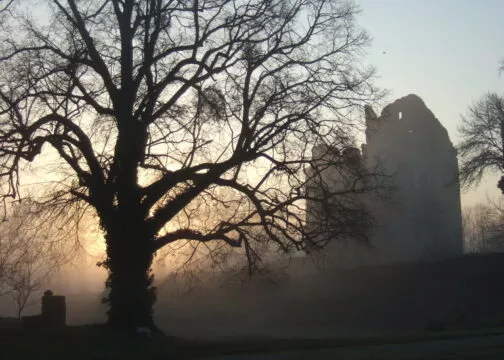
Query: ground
[[475, 348], [95, 343]]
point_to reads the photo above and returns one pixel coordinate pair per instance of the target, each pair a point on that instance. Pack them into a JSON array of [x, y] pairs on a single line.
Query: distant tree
[[482, 147], [183, 121], [483, 227], [24, 279], [28, 257]]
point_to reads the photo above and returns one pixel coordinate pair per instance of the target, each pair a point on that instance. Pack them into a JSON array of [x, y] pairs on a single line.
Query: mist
[[303, 299]]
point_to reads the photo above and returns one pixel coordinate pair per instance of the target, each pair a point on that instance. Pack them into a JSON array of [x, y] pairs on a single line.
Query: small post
[[53, 310]]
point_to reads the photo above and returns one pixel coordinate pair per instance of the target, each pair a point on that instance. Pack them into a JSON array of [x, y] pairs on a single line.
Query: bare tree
[[475, 227], [483, 227], [28, 256], [182, 121], [482, 146], [25, 279]]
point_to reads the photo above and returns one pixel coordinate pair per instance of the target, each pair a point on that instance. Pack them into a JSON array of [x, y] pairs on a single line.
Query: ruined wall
[[337, 202], [422, 219]]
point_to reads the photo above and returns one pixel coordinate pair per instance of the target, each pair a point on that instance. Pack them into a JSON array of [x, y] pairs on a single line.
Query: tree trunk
[[129, 259], [129, 245]]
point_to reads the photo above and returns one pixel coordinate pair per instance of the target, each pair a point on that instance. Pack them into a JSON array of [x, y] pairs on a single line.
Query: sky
[[445, 51]]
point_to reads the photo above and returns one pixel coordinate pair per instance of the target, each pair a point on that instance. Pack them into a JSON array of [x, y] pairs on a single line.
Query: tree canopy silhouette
[[482, 145], [183, 120]]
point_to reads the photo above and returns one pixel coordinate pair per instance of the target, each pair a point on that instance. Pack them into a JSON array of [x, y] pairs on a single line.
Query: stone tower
[[422, 219]]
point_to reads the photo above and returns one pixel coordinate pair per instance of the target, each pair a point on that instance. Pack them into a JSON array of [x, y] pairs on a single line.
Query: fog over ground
[[303, 301]]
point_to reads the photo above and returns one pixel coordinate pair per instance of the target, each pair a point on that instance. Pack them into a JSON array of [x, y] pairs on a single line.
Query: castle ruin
[[421, 220]]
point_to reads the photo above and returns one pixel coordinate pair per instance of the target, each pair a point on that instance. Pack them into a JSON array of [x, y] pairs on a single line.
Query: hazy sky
[[445, 51]]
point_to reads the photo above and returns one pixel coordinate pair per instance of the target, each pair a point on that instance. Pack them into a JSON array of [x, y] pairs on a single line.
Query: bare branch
[[482, 146]]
